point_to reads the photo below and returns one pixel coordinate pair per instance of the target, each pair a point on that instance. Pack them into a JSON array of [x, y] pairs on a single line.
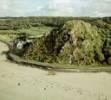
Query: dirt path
[[18, 82]]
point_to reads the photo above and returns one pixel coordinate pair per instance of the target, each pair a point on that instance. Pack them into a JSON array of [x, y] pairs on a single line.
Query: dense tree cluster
[[76, 42]]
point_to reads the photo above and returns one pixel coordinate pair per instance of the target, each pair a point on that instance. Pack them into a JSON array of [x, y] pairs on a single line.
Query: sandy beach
[[19, 82]]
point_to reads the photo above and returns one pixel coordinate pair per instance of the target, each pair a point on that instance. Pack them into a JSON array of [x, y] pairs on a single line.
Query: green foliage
[[109, 61], [84, 43], [77, 42], [16, 23], [39, 52], [84, 40]]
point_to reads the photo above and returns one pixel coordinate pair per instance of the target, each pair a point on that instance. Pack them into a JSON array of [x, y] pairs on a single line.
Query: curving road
[[19, 82]]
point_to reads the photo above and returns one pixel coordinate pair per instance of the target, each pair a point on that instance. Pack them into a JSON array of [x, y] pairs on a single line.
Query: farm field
[[9, 35]]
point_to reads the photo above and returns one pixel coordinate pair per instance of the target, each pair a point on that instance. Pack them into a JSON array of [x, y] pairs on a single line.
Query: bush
[[76, 42], [109, 61], [84, 43]]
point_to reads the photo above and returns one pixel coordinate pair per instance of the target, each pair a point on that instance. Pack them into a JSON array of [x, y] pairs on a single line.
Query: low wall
[[20, 60], [53, 67]]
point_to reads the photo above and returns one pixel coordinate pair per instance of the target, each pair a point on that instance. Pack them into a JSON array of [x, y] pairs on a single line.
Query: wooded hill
[[86, 41]]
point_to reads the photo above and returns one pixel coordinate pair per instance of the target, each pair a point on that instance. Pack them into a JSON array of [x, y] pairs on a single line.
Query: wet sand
[[19, 82]]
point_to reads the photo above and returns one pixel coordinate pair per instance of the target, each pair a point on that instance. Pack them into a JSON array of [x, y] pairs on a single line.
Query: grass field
[[9, 35], [36, 31]]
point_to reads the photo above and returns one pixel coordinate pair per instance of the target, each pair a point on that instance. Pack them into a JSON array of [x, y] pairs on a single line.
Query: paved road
[[19, 82]]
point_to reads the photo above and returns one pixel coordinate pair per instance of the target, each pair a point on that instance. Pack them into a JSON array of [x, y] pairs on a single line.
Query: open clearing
[[19, 82]]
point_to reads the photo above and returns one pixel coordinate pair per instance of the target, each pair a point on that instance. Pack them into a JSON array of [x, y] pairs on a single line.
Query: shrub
[[76, 42]]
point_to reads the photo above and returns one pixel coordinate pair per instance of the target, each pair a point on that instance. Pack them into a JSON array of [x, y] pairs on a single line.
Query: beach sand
[[20, 82]]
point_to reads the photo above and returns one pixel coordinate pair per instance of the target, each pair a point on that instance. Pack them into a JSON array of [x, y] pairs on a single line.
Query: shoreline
[[19, 82]]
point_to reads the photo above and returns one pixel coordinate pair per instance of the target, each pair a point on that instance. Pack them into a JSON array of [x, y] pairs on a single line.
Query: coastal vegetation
[[63, 40]]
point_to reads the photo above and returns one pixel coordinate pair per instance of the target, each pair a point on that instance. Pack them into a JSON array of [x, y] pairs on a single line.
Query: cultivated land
[[10, 35], [19, 82]]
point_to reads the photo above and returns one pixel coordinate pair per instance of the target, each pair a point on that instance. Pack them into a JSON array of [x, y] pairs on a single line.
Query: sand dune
[[18, 82]]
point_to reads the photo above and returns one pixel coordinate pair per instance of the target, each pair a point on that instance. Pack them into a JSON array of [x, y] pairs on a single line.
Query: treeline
[[14, 23]]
